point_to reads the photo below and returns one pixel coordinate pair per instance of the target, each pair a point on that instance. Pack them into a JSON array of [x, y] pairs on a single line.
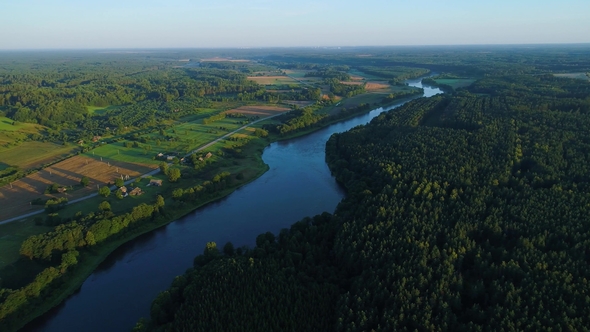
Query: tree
[[119, 194], [174, 175], [164, 168], [104, 191], [119, 182], [85, 181], [228, 249], [177, 193], [160, 201], [104, 206]]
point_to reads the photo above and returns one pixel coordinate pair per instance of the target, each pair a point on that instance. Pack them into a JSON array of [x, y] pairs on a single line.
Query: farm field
[[33, 154], [16, 200], [262, 111], [296, 73], [455, 83], [299, 103], [6, 125], [579, 76], [273, 80], [100, 109]]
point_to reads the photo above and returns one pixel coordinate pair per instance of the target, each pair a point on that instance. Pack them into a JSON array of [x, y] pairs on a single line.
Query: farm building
[[136, 192], [208, 155], [123, 189], [155, 183]]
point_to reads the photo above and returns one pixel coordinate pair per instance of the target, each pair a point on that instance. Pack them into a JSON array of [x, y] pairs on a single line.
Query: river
[[298, 184]]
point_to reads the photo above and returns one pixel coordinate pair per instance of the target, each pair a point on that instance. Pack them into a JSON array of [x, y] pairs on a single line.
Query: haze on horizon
[[83, 24]]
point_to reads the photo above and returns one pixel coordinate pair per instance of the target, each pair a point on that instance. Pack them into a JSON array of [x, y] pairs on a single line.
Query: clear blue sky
[[41, 24]]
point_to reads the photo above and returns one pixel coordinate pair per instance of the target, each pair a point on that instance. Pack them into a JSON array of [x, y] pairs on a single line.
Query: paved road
[[156, 171]]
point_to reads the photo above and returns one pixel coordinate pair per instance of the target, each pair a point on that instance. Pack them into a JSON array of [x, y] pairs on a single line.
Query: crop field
[[262, 111], [579, 76], [119, 153], [32, 154], [296, 73], [6, 124], [15, 198], [357, 74], [100, 110], [273, 80], [299, 103], [455, 83]]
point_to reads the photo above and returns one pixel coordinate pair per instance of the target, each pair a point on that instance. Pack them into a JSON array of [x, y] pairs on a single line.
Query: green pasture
[[99, 110], [6, 124], [368, 77], [455, 83], [297, 73], [579, 76], [32, 154], [118, 152]]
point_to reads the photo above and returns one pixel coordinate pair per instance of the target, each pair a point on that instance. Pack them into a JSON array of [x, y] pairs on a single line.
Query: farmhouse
[[136, 192], [157, 183]]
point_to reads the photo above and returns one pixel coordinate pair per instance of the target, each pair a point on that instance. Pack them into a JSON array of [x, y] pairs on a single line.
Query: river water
[[121, 290]]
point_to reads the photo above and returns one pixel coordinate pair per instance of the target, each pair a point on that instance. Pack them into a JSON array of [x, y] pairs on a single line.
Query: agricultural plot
[[33, 154], [273, 80], [579, 76], [455, 83], [296, 73], [9, 125], [15, 198], [98, 110], [261, 111]]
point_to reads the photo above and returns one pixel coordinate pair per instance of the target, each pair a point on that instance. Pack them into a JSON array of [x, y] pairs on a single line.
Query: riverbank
[[92, 259]]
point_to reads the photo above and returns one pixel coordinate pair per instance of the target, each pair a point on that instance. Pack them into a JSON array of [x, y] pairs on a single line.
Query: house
[[155, 183], [136, 192], [160, 155], [61, 190], [96, 138], [123, 189], [208, 155], [169, 158]]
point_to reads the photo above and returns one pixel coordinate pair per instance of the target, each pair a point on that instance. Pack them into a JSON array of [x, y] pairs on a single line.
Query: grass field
[[100, 109], [579, 76], [296, 73], [455, 83], [273, 80], [262, 111], [32, 154], [6, 124]]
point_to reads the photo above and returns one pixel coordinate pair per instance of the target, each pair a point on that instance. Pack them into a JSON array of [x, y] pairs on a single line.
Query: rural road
[[156, 171]]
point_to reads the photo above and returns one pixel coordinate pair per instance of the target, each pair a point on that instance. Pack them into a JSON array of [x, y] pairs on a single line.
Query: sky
[[83, 24]]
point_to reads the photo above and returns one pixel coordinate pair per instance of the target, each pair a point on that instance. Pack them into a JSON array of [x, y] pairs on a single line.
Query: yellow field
[[15, 199]]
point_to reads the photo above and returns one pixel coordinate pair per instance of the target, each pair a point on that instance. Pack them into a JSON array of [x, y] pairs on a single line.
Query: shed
[[155, 183], [136, 192]]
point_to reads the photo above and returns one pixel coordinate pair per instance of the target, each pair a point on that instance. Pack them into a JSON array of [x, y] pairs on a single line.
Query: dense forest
[[465, 212]]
